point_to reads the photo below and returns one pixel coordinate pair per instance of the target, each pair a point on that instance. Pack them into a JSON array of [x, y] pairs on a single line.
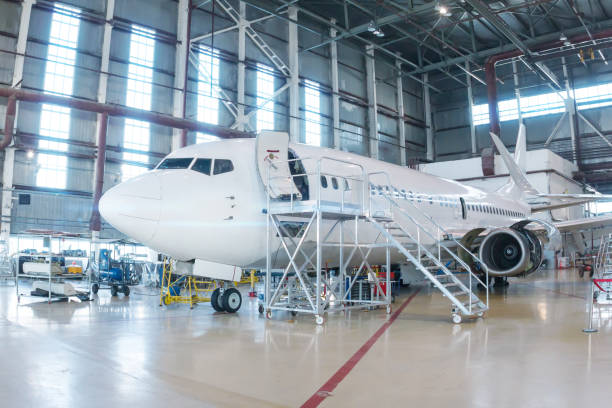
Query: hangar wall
[[451, 116], [58, 209]]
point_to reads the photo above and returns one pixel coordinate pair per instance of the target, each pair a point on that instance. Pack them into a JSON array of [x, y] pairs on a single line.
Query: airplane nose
[[133, 207]]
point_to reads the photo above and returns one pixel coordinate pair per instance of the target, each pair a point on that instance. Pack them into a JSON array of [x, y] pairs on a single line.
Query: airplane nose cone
[[133, 207]]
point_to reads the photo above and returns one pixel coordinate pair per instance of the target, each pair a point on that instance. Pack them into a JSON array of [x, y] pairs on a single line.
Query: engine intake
[[506, 252]]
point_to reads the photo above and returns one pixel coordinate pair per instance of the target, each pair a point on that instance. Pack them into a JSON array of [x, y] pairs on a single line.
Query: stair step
[[471, 302], [448, 285]]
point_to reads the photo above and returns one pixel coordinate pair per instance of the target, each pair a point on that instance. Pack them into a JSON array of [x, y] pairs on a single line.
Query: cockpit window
[[202, 166], [177, 163], [223, 166]]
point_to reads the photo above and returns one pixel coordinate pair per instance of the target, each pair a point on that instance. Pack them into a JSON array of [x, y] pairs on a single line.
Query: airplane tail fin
[[516, 166]]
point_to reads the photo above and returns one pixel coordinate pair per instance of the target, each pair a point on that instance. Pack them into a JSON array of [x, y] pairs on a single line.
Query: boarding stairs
[[424, 244], [305, 287], [603, 270]]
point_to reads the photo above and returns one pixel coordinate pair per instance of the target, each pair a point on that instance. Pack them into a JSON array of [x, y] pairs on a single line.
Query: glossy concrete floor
[[529, 351]]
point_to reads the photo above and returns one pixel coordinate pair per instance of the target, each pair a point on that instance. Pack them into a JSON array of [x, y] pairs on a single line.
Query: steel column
[[333, 54], [11, 115], [570, 107], [241, 79], [428, 121], [372, 103], [294, 79], [401, 128], [492, 97], [181, 64], [517, 92], [470, 98], [95, 223]]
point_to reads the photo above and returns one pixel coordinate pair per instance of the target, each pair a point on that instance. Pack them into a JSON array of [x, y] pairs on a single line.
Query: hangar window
[[223, 166], [202, 166], [323, 181], [136, 136], [208, 90], [177, 163], [265, 100], [59, 75], [312, 113]]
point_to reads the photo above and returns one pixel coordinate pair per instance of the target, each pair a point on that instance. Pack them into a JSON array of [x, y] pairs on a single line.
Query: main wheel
[[126, 290], [216, 300], [114, 290], [94, 288], [232, 300]]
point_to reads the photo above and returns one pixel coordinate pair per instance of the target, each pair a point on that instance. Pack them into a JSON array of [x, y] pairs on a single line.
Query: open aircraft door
[[272, 150]]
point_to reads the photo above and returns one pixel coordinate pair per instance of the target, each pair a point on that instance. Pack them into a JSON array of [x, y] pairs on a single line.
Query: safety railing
[[343, 193], [440, 232]]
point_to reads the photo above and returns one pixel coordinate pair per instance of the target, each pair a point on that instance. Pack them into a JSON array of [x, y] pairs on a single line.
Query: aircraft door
[[272, 150], [463, 208]]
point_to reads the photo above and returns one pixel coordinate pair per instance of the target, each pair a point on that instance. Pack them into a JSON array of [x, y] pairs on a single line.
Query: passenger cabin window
[[346, 185], [223, 166], [202, 166], [323, 181], [177, 163], [334, 183]]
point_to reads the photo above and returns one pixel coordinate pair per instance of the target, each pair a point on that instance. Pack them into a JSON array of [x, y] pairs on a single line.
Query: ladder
[[256, 38], [603, 261], [397, 225]]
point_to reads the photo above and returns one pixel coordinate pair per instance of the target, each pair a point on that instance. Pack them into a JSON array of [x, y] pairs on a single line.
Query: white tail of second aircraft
[[516, 166]]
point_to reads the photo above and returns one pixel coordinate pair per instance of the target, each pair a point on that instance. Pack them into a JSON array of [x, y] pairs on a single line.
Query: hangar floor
[[528, 352]]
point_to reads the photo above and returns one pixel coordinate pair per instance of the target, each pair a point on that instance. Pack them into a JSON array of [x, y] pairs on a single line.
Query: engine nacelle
[[510, 251]]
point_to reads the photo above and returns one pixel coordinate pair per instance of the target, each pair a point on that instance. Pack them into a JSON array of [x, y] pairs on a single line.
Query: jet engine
[[511, 251]]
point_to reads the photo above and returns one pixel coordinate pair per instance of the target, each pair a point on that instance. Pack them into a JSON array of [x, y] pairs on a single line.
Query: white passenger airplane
[[208, 202]]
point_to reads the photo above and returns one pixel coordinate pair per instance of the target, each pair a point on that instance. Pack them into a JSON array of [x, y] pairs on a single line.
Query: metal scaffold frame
[[296, 221], [307, 286]]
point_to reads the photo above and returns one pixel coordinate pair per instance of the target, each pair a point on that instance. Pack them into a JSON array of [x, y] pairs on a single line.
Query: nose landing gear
[[226, 300]]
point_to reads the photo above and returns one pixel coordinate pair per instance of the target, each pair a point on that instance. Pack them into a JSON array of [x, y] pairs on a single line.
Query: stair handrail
[[427, 273], [440, 228]]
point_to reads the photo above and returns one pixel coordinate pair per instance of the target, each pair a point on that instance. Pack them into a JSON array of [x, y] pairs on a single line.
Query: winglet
[[516, 166]]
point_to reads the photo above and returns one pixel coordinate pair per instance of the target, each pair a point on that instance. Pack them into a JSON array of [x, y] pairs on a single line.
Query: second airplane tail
[[516, 166]]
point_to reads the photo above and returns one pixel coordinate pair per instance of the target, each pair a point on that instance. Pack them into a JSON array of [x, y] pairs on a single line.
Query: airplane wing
[[601, 221], [566, 200]]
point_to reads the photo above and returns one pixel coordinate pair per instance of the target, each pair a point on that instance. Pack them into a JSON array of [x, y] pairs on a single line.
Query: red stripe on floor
[[325, 390]]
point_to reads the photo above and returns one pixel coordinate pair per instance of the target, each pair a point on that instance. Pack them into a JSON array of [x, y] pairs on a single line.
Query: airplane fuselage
[[189, 214]]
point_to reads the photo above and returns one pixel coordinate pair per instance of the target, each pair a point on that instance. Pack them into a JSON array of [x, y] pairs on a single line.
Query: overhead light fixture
[[30, 154], [563, 37], [372, 27], [379, 33], [443, 10], [567, 43]]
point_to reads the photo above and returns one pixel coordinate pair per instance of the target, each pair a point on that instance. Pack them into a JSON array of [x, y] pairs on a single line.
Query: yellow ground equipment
[[183, 288]]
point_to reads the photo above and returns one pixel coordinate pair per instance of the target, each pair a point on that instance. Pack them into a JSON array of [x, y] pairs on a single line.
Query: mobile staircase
[[349, 223], [603, 271]]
